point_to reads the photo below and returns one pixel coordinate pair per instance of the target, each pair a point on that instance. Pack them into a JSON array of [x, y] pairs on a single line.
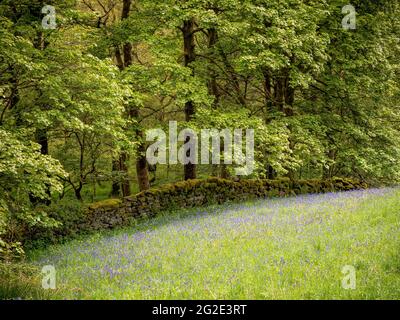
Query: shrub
[[70, 216], [26, 176]]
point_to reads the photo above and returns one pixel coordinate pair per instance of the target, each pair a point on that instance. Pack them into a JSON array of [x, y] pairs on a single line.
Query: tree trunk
[[115, 188], [214, 91], [126, 185], [125, 59], [78, 194], [271, 173], [142, 170], [279, 98], [190, 57], [224, 171], [190, 168], [42, 140], [234, 80], [127, 52], [41, 133], [116, 163]]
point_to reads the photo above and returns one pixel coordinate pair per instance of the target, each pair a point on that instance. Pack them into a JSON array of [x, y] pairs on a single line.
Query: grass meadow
[[286, 248]]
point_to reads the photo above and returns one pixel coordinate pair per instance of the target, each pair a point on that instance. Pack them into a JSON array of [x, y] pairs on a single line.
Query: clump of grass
[[291, 248], [21, 281]]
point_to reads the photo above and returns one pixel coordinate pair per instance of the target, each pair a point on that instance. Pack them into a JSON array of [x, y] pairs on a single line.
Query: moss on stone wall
[[193, 193]]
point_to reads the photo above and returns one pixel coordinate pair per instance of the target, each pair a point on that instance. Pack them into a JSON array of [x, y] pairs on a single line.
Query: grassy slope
[[273, 249]]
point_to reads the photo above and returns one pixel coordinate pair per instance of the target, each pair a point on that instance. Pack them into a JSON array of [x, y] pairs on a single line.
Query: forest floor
[[330, 246]]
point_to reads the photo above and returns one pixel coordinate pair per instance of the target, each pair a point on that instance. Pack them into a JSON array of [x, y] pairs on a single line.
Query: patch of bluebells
[[126, 258]]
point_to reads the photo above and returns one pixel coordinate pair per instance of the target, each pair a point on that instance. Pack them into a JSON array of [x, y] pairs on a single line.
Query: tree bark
[[214, 91], [141, 169], [42, 140], [126, 185], [78, 194], [189, 57], [116, 186], [127, 53]]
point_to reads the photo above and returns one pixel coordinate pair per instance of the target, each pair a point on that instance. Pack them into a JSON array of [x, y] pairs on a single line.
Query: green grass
[[292, 248], [22, 281]]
